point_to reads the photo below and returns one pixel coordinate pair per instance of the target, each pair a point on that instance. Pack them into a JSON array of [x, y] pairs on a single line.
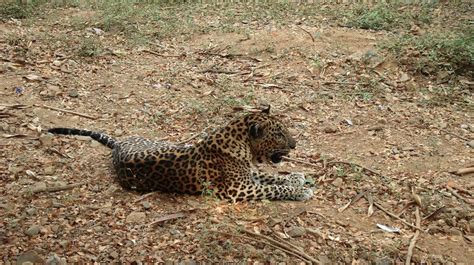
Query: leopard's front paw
[[303, 194], [295, 179]]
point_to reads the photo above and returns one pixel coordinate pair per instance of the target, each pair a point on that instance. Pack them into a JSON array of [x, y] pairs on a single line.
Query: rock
[[323, 259], [31, 211], [29, 257], [330, 129], [15, 169], [33, 230], [39, 186], [296, 231], [454, 231], [73, 93], [54, 259], [95, 144], [135, 217], [337, 182], [49, 170], [114, 254], [46, 139], [471, 143], [384, 261], [146, 205], [404, 77], [64, 243]]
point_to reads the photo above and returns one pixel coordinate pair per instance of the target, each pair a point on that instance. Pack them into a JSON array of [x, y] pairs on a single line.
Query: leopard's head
[[269, 138]]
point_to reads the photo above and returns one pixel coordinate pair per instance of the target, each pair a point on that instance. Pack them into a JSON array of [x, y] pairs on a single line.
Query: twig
[[415, 236], [302, 161], [342, 83], [66, 111], [456, 135], [354, 164], [285, 245], [463, 171], [194, 136], [395, 216], [309, 33], [459, 196], [57, 188], [356, 198], [262, 242], [218, 71], [144, 196], [159, 54], [434, 213], [167, 218]]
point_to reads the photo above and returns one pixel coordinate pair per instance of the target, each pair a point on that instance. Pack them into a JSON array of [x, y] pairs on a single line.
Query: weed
[[89, 48], [386, 17], [435, 51]]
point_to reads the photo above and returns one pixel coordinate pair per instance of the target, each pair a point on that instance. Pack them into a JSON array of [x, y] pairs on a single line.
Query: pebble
[[73, 93], [296, 231], [146, 205], [136, 217], [31, 211], [471, 143], [46, 139], [30, 257], [64, 243], [33, 230], [384, 261], [338, 182], [330, 129], [49, 170], [454, 231]]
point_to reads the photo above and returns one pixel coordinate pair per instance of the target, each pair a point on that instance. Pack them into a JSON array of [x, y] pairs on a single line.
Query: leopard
[[224, 162]]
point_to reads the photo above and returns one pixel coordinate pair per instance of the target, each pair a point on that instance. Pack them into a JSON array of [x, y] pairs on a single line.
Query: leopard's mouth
[[277, 156]]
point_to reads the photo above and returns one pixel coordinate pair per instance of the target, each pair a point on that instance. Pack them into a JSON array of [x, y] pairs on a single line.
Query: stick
[[309, 33], [458, 196], [158, 54], [218, 71], [144, 196], [263, 242], [57, 188], [166, 218], [354, 164], [283, 245], [456, 135], [66, 111], [302, 161], [395, 216], [342, 83], [415, 236]]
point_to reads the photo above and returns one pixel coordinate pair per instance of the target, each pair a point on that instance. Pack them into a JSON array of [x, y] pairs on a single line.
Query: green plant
[[89, 48]]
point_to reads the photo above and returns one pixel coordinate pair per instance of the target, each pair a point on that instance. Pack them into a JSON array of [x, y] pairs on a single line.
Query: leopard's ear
[[255, 130], [266, 110]]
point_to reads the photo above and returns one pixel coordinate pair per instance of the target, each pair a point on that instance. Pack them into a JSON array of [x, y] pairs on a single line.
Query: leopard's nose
[[292, 143]]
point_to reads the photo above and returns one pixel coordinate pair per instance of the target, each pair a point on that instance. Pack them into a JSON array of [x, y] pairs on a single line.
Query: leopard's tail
[[99, 137]]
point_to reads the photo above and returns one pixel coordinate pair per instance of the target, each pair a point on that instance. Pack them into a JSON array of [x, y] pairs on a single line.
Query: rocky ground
[[384, 129]]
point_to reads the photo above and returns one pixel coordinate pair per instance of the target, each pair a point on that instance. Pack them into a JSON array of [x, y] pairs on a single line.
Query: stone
[[46, 139], [384, 261], [338, 182], [33, 230], [454, 231], [73, 93], [30, 257], [49, 170], [135, 217], [330, 129], [471, 143], [146, 205], [31, 211], [296, 231]]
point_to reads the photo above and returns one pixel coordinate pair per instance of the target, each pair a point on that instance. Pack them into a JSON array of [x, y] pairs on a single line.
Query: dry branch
[[459, 196], [455, 135], [285, 245], [309, 33], [415, 236], [167, 218], [57, 188], [66, 111], [395, 216], [263, 242], [357, 165]]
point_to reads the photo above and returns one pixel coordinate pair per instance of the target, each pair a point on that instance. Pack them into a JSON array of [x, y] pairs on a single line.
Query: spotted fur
[[223, 161]]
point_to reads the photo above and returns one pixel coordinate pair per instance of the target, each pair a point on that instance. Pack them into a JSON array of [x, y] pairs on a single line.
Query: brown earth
[[344, 99]]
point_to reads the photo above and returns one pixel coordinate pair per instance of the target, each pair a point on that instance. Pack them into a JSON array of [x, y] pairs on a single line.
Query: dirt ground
[[378, 136]]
